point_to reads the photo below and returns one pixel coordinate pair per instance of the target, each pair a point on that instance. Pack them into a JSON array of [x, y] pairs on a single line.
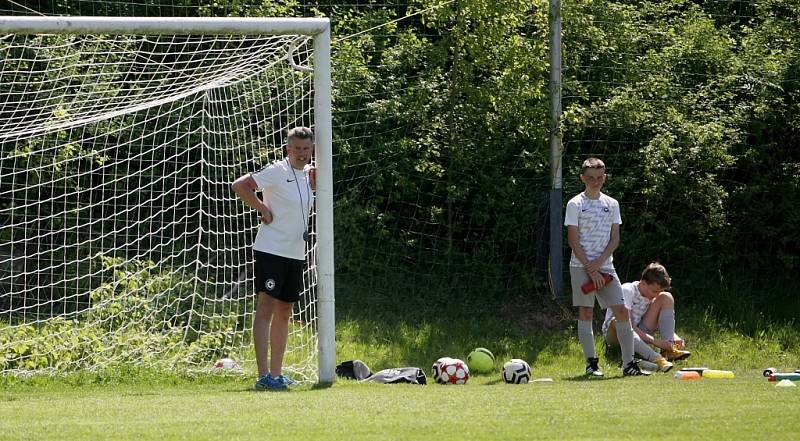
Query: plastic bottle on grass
[[786, 376], [717, 374], [687, 375]]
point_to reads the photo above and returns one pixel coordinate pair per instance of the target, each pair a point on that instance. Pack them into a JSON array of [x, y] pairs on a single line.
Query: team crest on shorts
[[270, 284]]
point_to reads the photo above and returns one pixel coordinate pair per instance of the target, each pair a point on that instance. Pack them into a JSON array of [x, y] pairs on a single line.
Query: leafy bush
[[141, 314]]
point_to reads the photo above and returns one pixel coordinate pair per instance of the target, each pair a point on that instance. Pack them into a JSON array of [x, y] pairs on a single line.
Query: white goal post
[[61, 162]]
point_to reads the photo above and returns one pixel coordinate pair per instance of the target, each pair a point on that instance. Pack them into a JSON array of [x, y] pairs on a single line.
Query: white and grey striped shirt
[[636, 303], [594, 218]]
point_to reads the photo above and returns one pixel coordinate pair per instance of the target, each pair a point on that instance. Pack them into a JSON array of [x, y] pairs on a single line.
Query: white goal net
[[121, 241]]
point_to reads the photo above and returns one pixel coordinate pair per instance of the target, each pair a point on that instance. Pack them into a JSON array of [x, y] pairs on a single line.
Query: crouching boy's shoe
[[675, 354]]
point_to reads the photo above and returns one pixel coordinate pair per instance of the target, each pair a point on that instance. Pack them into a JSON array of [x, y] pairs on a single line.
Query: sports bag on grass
[[358, 370]]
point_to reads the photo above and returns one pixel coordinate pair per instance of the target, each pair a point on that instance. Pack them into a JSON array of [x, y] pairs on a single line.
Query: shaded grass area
[[390, 332], [714, 344]]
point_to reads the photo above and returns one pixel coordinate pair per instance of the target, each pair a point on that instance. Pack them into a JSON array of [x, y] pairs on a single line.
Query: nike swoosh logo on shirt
[[290, 180]]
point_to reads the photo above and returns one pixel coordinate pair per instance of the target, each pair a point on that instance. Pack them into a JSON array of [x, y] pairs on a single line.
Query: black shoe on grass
[[592, 368], [632, 370]]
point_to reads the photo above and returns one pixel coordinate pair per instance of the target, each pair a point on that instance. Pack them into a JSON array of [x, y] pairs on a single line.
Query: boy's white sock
[[666, 323], [625, 336], [586, 338], [643, 349]]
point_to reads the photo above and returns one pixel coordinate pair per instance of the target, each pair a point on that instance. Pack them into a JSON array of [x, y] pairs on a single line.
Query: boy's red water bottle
[[589, 286]]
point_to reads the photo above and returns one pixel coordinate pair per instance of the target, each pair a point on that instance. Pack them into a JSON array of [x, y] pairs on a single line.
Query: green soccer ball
[[480, 360]]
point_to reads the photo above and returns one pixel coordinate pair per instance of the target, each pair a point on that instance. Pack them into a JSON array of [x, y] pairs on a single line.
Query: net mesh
[[122, 241]]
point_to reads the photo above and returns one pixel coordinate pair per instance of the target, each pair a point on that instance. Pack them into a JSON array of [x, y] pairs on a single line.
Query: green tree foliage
[[695, 106], [441, 119], [450, 163], [764, 185], [673, 114]]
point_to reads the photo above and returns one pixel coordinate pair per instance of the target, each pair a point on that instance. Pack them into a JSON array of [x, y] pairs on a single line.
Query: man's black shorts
[[279, 277]]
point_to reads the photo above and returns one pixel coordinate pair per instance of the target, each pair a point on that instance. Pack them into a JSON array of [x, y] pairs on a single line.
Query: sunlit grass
[[137, 403], [747, 407]]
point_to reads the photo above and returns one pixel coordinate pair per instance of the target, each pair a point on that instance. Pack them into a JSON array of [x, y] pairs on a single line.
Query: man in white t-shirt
[[287, 188], [593, 220], [651, 308]]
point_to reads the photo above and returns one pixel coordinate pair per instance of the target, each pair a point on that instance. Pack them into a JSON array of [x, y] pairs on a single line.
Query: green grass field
[[662, 407], [139, 405]]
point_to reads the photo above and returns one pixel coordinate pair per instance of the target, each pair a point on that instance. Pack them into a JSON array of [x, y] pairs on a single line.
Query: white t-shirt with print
[[594, 218], [290, 198]]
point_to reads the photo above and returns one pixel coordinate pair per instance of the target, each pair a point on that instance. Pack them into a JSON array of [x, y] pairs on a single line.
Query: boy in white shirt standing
[[593, 220]]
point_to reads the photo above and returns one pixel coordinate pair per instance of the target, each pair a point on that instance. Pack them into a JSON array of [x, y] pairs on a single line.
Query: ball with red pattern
[[451, 371], [436, 369], [227, 364]]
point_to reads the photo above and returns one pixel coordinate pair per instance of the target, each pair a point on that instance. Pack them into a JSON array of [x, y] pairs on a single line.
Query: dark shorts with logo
[[279, 277]]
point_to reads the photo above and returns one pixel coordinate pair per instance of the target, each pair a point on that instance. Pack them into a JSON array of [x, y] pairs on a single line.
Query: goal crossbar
[[163, 25]]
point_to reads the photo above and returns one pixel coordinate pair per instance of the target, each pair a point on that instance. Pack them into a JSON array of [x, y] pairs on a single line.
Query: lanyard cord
[[303, 210]]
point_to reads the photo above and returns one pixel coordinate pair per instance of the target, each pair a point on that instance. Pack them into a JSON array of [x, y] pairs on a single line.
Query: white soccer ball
[[436, 369], [516, 371], [448, 370], [227, 364]]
